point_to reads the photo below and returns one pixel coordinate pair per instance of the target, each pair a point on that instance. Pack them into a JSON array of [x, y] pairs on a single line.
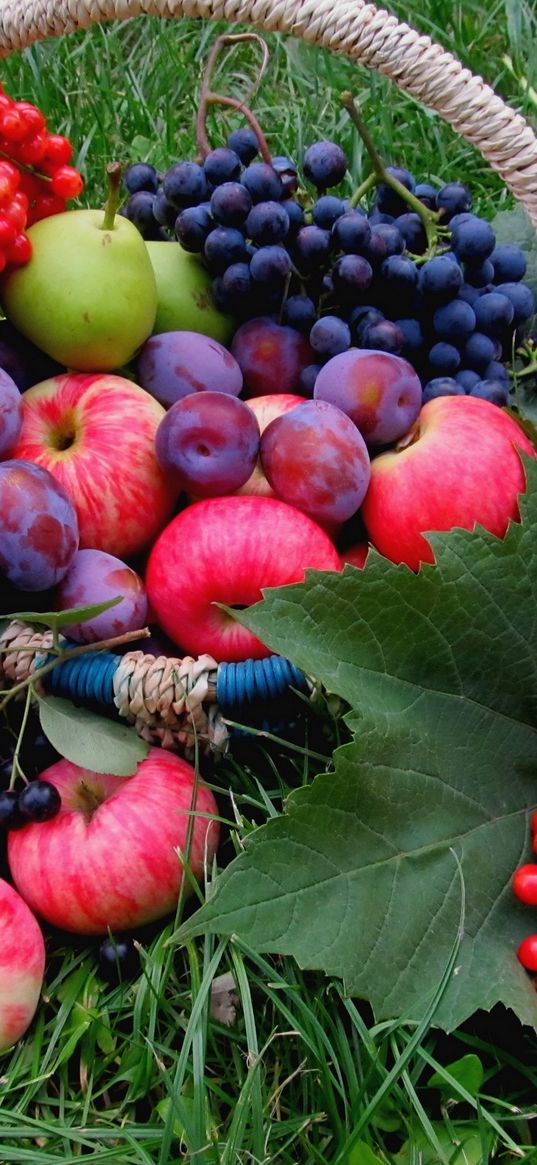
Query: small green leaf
[[58, 619], [89, 740], [463, 1145], [468, 1072]]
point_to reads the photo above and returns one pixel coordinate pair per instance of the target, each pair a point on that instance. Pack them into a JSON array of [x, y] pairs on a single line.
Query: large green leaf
[[360, 876]]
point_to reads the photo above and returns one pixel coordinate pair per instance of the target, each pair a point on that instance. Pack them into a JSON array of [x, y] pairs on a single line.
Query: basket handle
[[368, 35]]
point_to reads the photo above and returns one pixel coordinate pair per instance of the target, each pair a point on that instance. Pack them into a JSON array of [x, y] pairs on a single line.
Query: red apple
[[457, 466], [109, 859], [22, 965], [266, 408], [95, 432], [225, 550], [356, 555]]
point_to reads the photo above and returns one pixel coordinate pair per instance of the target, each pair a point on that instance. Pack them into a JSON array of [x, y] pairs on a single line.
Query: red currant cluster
[[525, 888], [35, 176]]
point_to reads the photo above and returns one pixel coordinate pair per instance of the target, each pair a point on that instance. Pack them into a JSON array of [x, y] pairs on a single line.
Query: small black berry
[[39, 801], [119, 959], [10, 814]]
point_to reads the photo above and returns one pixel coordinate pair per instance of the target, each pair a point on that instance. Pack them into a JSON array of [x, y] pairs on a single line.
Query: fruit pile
[[143, 459]]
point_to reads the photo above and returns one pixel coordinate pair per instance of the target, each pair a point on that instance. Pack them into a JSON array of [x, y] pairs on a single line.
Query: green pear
[[88, 295], [185, 301]]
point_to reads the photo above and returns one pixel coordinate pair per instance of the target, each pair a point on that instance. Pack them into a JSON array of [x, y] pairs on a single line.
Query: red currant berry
[[9, 182], [525, 884], [17, 211], [39, 801], [46, 205], [59, 150], [20, 251], [527, 952], [31, 151], [67, 182], [8, 233], [12, 127], [31, 116]]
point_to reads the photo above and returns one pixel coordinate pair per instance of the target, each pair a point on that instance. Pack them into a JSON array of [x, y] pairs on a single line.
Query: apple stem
[[113, 175], [208, 97], [380, 173]]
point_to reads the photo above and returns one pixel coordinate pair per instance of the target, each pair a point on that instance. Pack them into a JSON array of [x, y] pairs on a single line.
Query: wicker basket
[[362, 32]]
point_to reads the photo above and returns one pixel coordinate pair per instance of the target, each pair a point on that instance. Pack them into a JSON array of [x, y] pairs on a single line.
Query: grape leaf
[[359, 876], [55, 620], [90, 740], [515, 226]]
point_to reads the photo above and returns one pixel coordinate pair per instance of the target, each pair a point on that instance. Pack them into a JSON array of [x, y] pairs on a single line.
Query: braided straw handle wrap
[[362, 32]]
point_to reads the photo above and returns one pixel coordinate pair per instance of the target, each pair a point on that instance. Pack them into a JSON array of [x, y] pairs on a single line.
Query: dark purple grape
[[509, 263], [442, 386], [270, 265], [237, 283], [392, 240], [295, 215], [222, 165], [329, 336], [479, 275], [311, 248], [452, 199], [192, 226], [411, 227], [473, 240], [351, 232], [262, 182], [244, 143], [388, 200], [139, 210], [267, 222], [39, 801], [360, 319], [478, 352], [140, 176], [185, 184], [352, 275], [426, 194], [521, 297], [223, 246], [454, 321], [467, 378], [495, 371], [494, 313], [327, 210], [10, 814], [399, 275], [324, 164], [164, 211], [299, 312], [413, 337], [383, 336], [440, 278], [307, 378], [444, 359], [230, 204], [495, 391]]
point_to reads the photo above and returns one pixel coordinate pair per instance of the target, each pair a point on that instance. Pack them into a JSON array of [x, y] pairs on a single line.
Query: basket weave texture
[[368, 35]]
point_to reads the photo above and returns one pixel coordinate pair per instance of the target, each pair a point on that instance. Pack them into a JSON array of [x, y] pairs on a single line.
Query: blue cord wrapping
[[86, 678], [255, 681]]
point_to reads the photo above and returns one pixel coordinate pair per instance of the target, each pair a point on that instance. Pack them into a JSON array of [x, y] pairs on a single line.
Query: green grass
[[143, 1072]]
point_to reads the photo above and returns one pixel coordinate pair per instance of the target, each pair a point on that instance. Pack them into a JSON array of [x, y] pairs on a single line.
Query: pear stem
[[113, 175]]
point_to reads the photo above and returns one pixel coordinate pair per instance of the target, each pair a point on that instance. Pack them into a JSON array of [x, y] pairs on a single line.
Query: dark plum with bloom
[[38, 526], [10, 413], [379, 391], [271, 356], [315, 459], [96, 577], [210, 441], [171, 365]]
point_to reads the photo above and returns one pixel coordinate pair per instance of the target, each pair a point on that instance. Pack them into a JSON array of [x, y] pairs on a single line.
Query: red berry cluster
[[35, 176], [525, 888]]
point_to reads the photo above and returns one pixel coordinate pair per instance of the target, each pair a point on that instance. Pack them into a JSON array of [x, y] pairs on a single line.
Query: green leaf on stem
[[468, 1072], [359, 877], [55, 620], [90, 740]]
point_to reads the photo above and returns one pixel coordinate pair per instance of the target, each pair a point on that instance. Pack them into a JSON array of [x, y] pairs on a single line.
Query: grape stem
[[380, 173], [209, 97], [113, 175]]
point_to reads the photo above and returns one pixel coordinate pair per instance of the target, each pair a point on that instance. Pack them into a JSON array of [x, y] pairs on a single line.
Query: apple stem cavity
[[380, 173], [208, 97], [111, 206]]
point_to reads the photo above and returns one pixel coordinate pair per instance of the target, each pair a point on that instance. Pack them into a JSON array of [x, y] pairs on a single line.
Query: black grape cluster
[[343, 275]]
